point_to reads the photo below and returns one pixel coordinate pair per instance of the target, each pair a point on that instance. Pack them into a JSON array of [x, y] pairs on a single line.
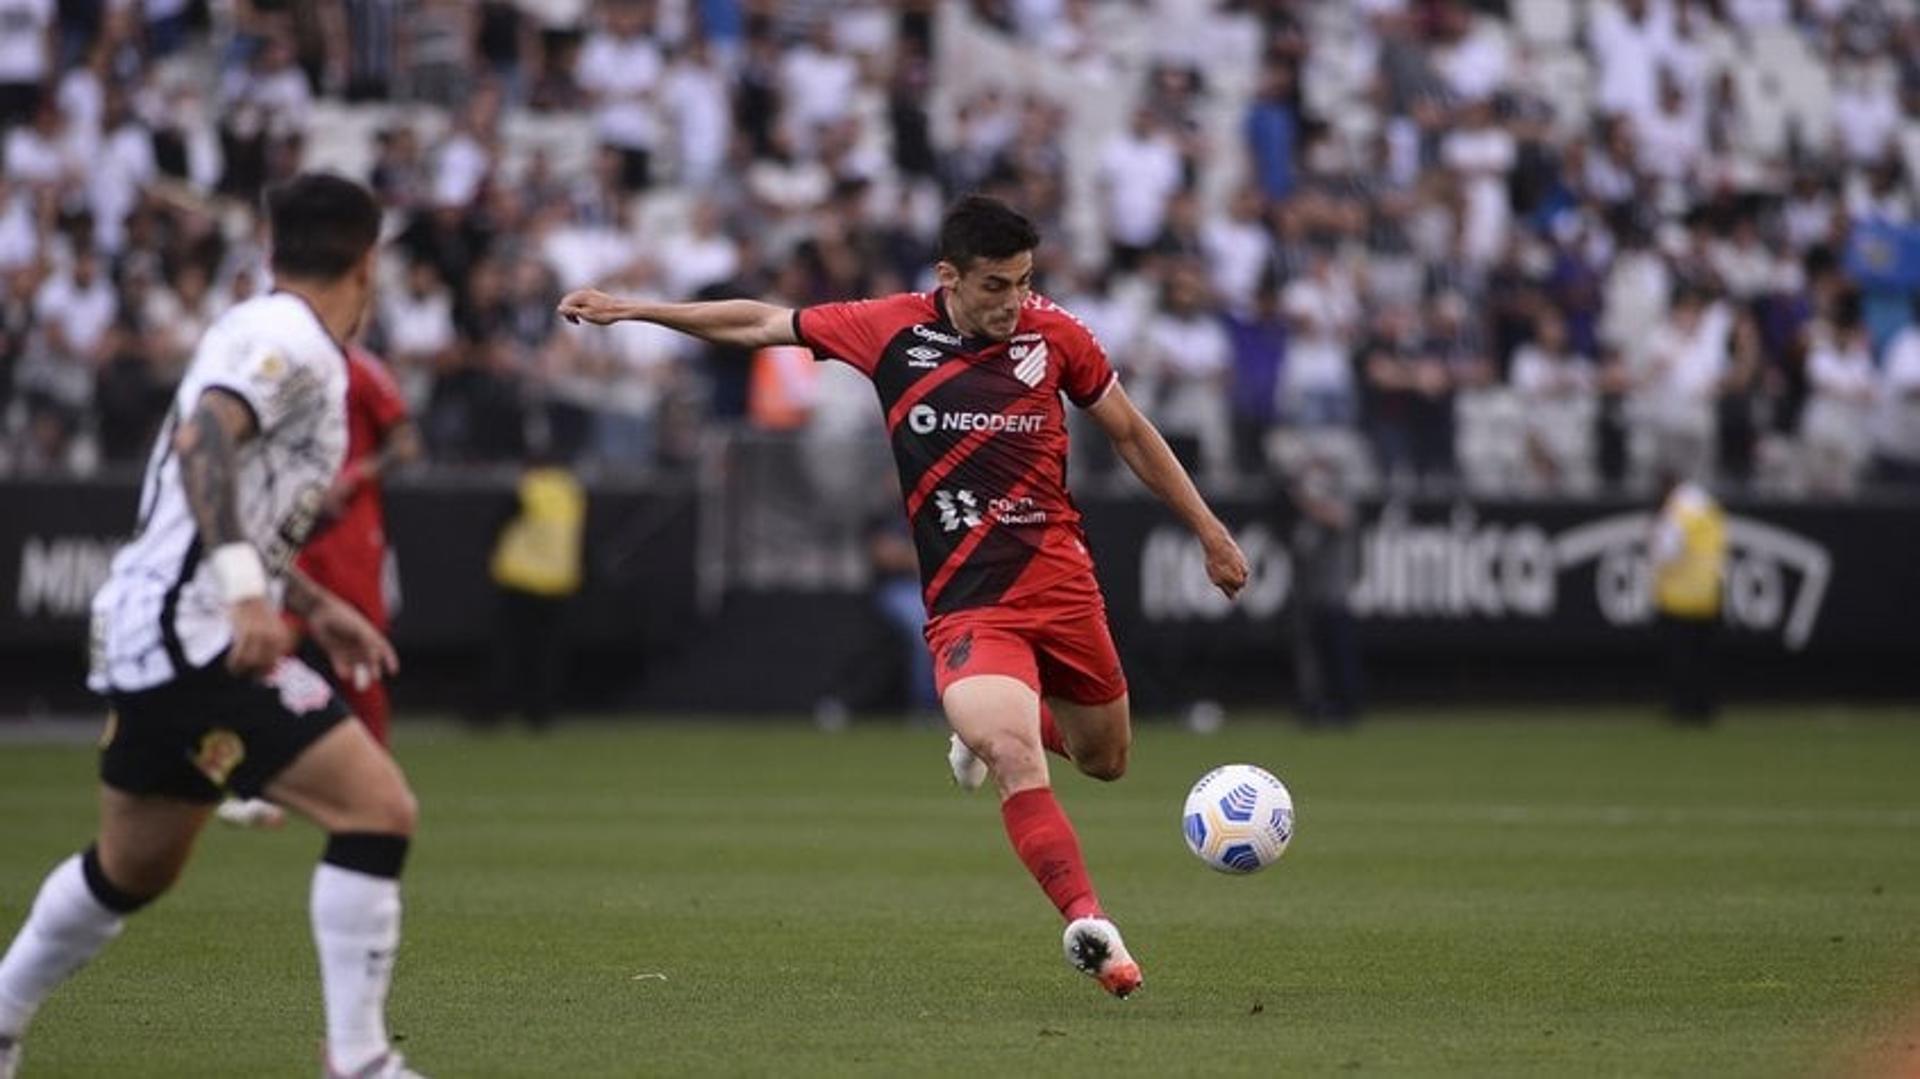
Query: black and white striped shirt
[[160, 611]]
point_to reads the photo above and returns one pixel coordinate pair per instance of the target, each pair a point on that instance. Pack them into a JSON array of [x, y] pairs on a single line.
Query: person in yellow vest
[[536, 571], [1689, 550]]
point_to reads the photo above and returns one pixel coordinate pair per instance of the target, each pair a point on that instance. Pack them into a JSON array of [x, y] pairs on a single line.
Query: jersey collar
[[317, 320]]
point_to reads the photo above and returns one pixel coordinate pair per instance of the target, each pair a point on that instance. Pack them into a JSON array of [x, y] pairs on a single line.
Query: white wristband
[[241, 574]]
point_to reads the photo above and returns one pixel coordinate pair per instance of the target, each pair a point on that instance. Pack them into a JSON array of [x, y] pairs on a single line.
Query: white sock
[[66, 927], [356, 928]]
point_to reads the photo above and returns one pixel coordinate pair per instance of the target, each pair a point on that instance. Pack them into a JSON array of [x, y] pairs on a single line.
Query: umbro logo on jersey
[[923, 356], [1030, 364]]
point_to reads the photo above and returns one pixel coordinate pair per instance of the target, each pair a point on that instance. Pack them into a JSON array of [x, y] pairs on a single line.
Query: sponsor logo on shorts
[[220, 752], [960, 651], [301, 690], [111, 730]]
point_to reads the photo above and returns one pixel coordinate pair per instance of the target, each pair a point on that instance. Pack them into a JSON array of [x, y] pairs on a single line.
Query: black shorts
[[209, 733]]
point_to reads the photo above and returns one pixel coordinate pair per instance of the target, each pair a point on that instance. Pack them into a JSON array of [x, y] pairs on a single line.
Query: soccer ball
[[1239, 818]]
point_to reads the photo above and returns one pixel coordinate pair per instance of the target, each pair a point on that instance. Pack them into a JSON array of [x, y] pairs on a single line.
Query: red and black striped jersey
[[980, 438]]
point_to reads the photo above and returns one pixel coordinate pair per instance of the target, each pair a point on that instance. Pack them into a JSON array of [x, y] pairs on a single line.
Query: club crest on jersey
[[220, 752], [1030, 362]]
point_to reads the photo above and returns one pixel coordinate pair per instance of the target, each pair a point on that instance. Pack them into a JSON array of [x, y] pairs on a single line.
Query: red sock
[[1050, 733], [1043, 838]]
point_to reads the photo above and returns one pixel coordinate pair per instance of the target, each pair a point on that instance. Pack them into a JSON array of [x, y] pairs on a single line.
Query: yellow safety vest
[[1688, 585], [539, 551]]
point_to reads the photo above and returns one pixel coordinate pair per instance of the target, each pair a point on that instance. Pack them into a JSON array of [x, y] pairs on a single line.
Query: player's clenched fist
[[591, 305], [1226, 565]]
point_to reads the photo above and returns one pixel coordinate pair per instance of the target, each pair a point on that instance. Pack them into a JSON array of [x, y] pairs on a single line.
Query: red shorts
[[1060, 652]]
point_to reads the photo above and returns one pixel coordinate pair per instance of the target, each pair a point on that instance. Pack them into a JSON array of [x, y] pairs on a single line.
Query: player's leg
[[1080, 673], [353, 790], [1097, 737], [998, 717], [144, 843], [1086, 692]]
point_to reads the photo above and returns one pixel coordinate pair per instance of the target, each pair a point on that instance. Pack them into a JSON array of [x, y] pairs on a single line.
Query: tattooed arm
[[208, 444]]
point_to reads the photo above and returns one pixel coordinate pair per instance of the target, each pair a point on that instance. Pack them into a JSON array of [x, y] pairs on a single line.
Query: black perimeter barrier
[[1457, 600]]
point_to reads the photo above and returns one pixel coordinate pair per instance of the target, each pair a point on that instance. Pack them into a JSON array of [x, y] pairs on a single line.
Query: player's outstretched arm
[[207, 444], [740, 323], [1139, 444]]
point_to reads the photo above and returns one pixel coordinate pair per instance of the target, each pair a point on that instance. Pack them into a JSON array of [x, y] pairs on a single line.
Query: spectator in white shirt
[[122, 168], [817, 84], [1322, 312], [175, 314], [1239, 250], [466, 158], [26, 55], [1556, 390], [1843, 387], [1678, 379], [698, 97], [1865, 113], [1896, 417], [701, 255], [620, 69], [1672, 138], [1472, 58], [73, 312], [1482, 154], [76, 308], [1627, 39], [416, 323], [1140, 169], [19, 231], [42, 154], [1187, 360]]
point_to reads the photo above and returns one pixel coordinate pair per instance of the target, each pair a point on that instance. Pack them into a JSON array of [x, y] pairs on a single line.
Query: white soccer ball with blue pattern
[[1239, 818]]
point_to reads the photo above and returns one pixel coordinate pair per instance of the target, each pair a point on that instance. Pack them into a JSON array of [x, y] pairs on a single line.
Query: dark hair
[[1849, 309], [322, 224], [981, 226]]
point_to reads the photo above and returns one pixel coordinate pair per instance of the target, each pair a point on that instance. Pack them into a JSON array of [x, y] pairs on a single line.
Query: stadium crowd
[[1531, 245]]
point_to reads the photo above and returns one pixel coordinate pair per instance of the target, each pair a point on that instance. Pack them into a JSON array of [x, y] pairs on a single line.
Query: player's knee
[[1107, 763], [388, 809], [1011, 758], [397, 812], [126, 880]]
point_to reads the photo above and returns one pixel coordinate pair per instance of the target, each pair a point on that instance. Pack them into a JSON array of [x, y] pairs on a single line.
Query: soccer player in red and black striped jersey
[[970, 377]]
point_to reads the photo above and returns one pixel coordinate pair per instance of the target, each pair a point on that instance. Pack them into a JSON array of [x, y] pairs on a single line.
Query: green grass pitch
[[1572, 894]]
